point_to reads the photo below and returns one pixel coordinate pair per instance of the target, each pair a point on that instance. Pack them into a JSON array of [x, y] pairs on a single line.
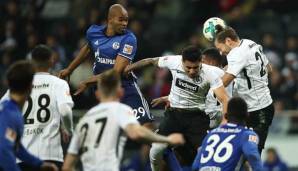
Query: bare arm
[[142, 63], [119, 66], [227, 79], [223, 97], [83, 54], [69, 162], [138, 132]]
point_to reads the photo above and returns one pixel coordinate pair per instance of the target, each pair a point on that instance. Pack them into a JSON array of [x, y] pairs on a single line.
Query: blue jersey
[[11, 131], [105, 50], [225, 148]]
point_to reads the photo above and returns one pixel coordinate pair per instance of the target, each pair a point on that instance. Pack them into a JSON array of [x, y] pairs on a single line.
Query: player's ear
[[120, 92], [97, 95]]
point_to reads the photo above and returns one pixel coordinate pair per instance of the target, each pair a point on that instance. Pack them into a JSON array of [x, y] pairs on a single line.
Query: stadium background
[[162, 27]]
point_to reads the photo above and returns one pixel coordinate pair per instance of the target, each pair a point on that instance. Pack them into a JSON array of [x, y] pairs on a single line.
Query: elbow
[[137, 134]]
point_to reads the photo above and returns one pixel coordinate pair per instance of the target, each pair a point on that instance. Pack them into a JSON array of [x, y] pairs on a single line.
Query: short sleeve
[[125, 116], [214, 79], [63, 94], [74, 145], [250, 137], [128, 47], [236, 63], [169, 61], [88, 35]]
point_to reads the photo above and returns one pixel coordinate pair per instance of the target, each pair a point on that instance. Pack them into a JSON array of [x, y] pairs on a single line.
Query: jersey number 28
[[43, 103], [214, 153]]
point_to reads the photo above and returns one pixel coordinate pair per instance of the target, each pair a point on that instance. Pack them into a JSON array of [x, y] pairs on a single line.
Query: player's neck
[[42, 70], [110, 31], [109, 99], [20, 99]]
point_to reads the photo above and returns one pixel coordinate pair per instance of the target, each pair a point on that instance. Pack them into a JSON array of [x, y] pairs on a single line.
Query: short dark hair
[[109, 82], [192, 54], [41, 55], [213, 54], [237, 110], [228, 32], [20, 76]]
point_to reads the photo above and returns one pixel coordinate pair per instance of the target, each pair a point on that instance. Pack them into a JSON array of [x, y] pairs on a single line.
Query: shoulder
[[95, 28], [122, 107], [129, 35], [57, 81], [209, 70]]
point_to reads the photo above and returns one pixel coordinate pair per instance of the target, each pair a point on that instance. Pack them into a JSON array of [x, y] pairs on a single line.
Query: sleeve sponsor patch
[[10, 135], [253, 138], [127, 49]]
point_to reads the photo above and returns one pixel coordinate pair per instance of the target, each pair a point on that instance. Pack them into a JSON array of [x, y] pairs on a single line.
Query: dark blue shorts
[[134, 98]]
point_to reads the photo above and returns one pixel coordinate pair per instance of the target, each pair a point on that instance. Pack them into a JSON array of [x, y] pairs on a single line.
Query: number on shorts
[[140, 110]]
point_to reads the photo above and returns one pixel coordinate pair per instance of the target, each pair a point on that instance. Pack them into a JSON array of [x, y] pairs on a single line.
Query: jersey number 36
[[217, 153]]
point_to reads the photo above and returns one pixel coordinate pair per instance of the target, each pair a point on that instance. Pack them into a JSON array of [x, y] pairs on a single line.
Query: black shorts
[[193, 124], [26, 167], [260, 121]]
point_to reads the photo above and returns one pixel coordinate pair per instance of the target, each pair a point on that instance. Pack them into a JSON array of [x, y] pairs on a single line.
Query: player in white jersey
[[248, 66], [211, 56], [190, 85], [98, 138], [49, 104]]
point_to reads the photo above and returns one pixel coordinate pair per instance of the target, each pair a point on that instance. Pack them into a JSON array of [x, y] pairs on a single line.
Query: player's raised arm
[[138, 132], [141, 63], [83, 54]]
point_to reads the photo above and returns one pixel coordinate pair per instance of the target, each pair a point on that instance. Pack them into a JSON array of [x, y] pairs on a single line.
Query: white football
[[209, 29]]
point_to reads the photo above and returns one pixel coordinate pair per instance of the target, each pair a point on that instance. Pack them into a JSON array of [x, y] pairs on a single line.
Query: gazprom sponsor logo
[[105, 60], [186, 85]]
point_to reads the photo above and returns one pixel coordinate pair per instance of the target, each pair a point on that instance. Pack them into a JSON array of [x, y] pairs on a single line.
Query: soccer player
[[98, 138], [19, 77], [211, 56], [49, 104], [191, 83], [248, 66], [113, 47], [227, 146]]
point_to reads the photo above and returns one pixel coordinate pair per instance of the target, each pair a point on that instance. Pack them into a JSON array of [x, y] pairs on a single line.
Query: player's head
[[42, 57], [237, 110], [211, 56], [19, 77], [191, 60], [109, 86], [226, 40], [118, 18]]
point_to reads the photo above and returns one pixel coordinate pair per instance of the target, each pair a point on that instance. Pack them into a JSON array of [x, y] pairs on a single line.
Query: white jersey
[[189, 92], [213, 106], [248, 64], [42, 119], [98, 136]]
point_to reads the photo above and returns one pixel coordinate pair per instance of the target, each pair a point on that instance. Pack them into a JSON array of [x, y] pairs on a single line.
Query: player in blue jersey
[[19, 78], [228, 146], [113, 47]]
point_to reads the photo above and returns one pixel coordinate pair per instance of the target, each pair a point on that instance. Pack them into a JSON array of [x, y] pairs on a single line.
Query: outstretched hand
[[161, 100], [64, 74], [176, 139], [82, 87]]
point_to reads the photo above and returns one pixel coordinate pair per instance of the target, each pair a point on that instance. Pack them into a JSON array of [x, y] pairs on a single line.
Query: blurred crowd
[[161, 26]]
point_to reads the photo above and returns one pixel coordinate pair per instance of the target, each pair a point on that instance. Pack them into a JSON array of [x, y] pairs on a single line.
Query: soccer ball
[[209, 29]]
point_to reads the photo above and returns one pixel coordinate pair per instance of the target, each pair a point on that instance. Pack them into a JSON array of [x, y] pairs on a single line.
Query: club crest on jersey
[[116, 45], [253, 138], [127, 49], [197, 79]]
